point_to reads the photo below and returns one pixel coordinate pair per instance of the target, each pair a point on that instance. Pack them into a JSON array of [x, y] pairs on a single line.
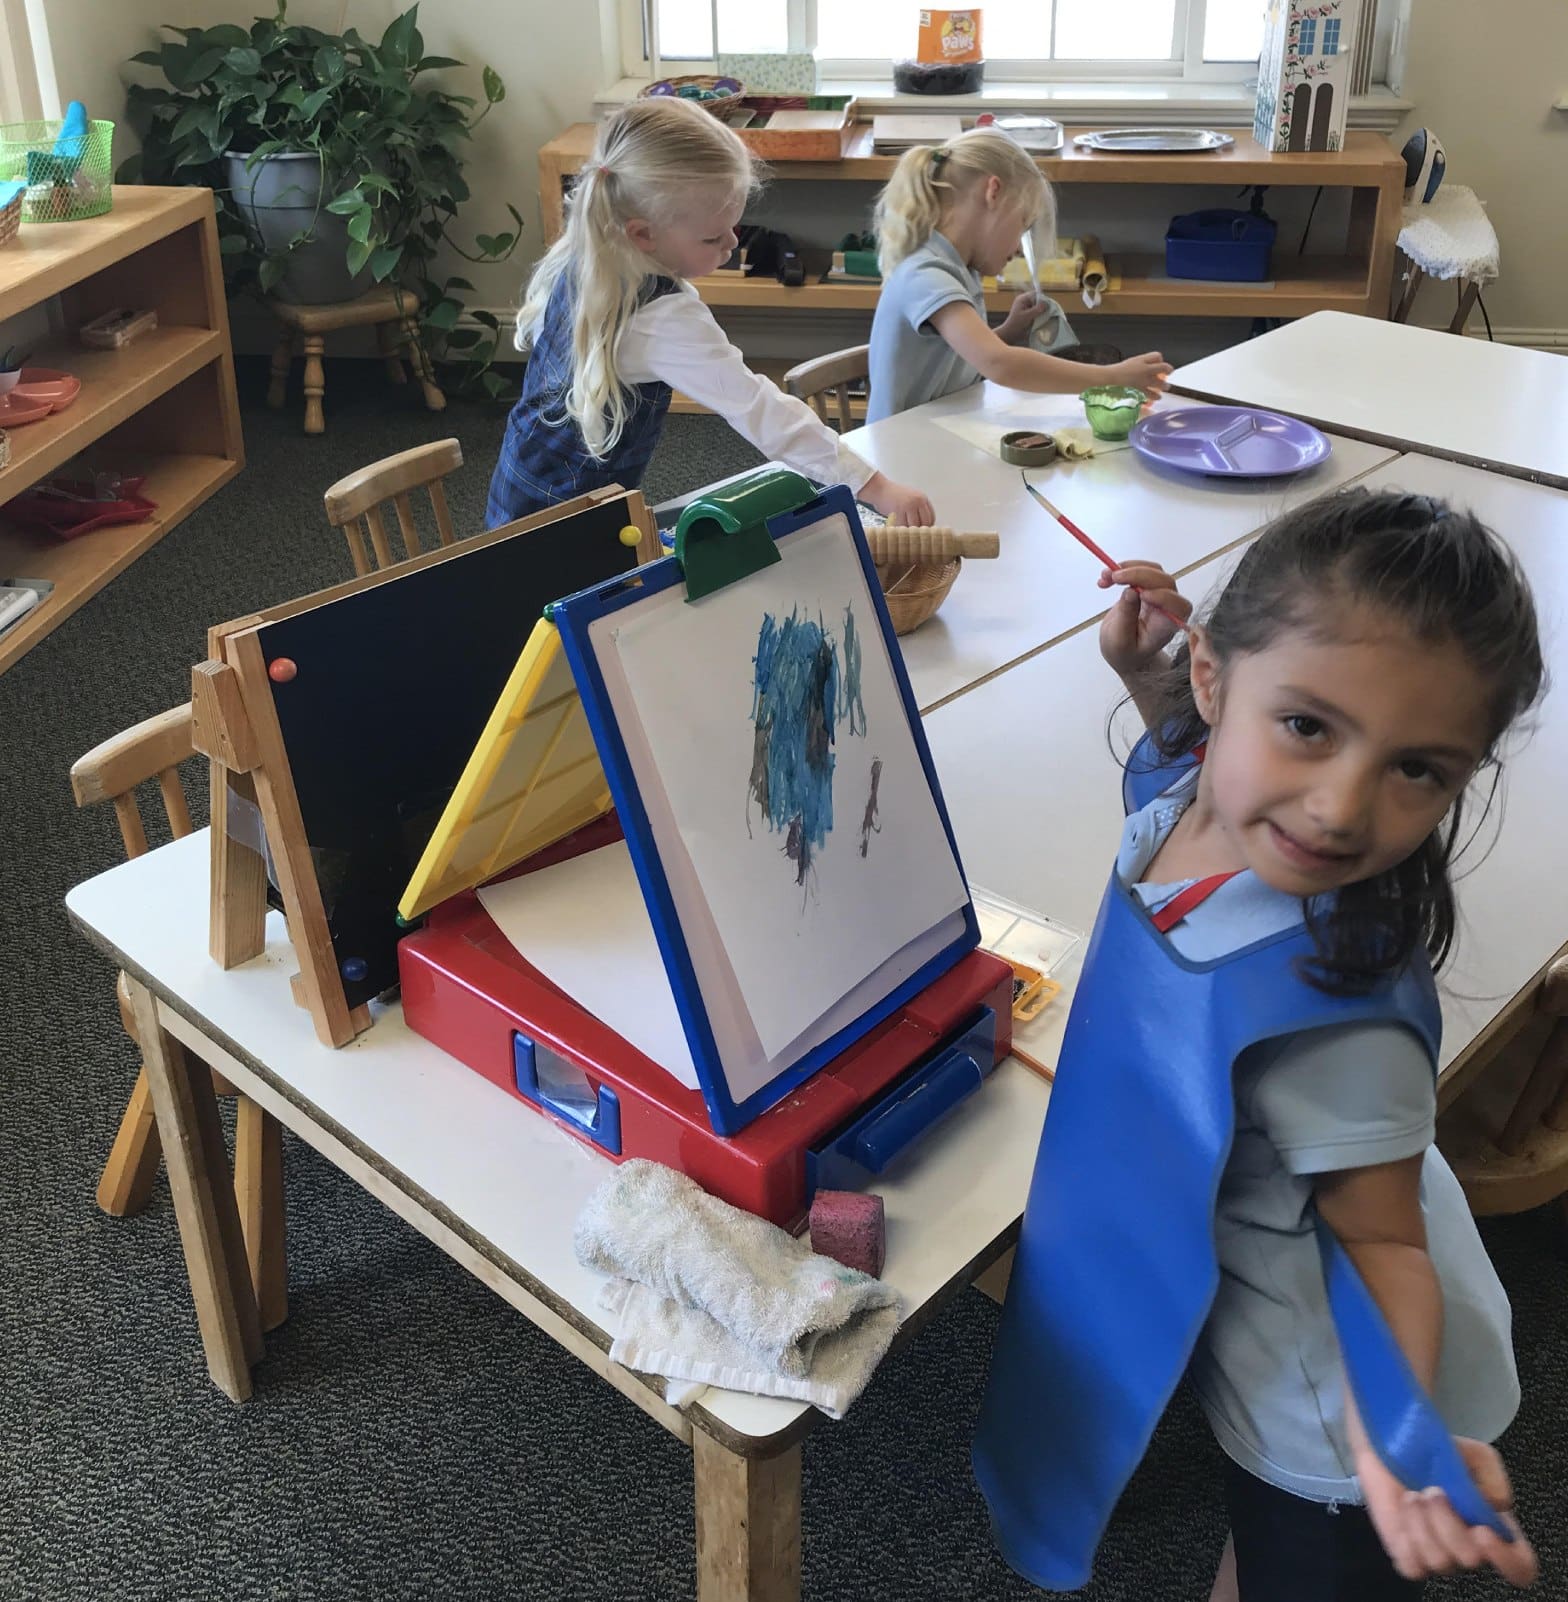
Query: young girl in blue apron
[[612, 326], [1249, 1068]]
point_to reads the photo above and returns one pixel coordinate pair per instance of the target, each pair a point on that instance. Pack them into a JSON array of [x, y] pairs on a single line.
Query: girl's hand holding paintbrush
[[1144, 619]]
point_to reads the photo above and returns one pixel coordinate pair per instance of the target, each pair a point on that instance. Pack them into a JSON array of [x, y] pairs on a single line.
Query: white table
[[1043, 586], [1494, 406], [1047, 835], [497, 1187]]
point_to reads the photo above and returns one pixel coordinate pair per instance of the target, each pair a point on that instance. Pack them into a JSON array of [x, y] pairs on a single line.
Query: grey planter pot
[[280, 196]]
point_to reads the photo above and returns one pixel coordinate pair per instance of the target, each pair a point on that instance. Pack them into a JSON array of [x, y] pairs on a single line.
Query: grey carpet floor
[[410, 1436]]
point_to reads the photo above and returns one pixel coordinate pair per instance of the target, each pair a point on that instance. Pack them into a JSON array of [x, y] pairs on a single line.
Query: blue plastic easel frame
[[574, 616]]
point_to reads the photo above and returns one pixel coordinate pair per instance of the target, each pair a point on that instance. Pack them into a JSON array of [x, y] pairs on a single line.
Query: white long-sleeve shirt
[[676, 339]]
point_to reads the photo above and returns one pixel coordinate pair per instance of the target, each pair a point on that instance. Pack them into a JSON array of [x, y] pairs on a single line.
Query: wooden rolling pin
[[891, 542]]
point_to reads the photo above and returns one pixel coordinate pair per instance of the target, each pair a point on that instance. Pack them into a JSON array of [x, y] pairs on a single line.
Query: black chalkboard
[[391, 690]]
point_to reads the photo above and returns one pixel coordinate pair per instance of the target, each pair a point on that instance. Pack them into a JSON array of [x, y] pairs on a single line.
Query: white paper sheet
[[583, 924], [1043, 414], [797, 945]]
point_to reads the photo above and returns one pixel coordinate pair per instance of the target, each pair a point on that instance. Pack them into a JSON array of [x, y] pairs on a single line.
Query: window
[[1331, 37], [1307, 37], [27, 87], [1023, 38]]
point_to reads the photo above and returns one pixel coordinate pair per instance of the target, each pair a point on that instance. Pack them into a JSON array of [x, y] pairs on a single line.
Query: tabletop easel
[[254, 804]]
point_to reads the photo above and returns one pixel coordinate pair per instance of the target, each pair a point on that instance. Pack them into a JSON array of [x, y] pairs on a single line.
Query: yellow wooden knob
[[631, 535]]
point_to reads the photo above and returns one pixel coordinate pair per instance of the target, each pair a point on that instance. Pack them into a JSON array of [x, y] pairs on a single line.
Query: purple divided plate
[[1238, 441]]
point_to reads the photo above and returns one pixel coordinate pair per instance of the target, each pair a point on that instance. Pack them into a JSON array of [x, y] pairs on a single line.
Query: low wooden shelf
[[163, 406], [1359, 279]]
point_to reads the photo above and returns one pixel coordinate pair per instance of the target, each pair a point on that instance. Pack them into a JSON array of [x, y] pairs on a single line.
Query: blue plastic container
[[1234, 246]]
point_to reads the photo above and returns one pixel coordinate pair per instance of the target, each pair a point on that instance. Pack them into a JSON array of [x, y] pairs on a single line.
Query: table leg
[[748, 1524], [204, 1204], [258, 1184], [315, 384], [282, 359]]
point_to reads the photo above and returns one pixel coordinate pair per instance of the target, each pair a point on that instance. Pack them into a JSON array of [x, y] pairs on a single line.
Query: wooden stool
[[386, 309]]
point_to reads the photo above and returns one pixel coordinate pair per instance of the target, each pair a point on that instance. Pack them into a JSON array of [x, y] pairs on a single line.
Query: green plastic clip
[[723, 535]]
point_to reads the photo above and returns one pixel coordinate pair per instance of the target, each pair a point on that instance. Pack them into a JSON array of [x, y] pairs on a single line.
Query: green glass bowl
[[1112, 409]]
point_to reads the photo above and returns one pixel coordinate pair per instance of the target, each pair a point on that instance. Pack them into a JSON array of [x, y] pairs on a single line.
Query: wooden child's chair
[[359, 496], [813, 381], [112, 771]]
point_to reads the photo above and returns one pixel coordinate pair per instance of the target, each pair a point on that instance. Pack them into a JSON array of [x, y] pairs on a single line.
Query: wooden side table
[[393, 314]]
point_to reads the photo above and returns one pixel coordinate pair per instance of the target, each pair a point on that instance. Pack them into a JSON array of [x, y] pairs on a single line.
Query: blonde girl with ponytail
[[612, 325], [949, 215]]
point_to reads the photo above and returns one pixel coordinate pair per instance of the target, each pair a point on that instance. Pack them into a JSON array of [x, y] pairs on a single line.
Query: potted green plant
[[335, 162]]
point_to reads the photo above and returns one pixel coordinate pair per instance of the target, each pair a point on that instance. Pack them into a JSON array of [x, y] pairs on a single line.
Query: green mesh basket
[[66, 178]]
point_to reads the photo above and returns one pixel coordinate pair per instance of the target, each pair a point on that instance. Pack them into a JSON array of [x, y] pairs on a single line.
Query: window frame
[[1185, 64]]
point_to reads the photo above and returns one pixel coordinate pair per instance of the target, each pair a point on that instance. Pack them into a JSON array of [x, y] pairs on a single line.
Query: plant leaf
[[357, 255], [495, 89], [359, 226], [444, 314], [329, 65], [270, 273], [346, 204], [243, 60], [384, 260]]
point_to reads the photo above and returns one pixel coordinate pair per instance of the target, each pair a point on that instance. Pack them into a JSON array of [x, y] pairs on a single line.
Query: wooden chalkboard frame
[[235, 724]]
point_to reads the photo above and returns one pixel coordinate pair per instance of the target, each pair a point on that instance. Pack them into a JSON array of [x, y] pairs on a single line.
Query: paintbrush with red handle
[[1094, 550]]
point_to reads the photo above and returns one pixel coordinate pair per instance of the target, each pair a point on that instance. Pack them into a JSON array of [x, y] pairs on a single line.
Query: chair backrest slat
[[360, 496]]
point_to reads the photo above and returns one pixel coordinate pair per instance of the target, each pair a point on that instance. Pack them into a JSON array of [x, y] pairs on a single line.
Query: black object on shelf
[[938, 78]]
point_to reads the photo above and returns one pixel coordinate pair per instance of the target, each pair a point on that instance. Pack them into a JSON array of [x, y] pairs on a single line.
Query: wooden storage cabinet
[[163, 406]]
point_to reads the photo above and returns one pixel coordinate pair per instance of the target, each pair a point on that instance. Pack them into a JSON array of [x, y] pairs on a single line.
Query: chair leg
[[419, 360], [282, 358], [387, 344], [258, 1187], [1469, 293], [315, 384], [132, 1169]]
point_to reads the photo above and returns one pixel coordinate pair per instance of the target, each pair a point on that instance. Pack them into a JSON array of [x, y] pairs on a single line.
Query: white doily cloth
[[1451, 236]]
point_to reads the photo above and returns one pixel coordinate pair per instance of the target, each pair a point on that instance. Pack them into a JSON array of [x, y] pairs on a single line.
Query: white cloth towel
[[703, 1291], [1451, 236]]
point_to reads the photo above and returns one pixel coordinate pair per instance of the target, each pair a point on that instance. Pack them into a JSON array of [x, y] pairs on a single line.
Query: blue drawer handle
[[950, 1080]]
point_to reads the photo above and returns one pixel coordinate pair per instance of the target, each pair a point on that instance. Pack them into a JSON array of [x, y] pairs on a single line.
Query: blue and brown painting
[[805, 690]]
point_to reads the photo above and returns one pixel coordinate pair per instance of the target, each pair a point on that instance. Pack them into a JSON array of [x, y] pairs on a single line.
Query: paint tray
[[613, 747], [1041, 952]]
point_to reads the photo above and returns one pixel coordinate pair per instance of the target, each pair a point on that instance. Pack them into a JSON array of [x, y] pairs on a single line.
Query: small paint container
[[1112, 409], [1028, 448]]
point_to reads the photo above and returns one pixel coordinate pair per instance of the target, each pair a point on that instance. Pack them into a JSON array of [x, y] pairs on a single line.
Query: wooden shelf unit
[[1359, 281], [163, 406]]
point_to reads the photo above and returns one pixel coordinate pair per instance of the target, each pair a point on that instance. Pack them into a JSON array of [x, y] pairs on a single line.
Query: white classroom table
[[1043, 585], [1046, 835], [1494, 406], [498, 1187], [1128, 506]]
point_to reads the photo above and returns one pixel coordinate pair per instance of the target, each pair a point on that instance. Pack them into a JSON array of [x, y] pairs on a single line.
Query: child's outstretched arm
[[1135, 632], [1020, 368], [1376, 1214]]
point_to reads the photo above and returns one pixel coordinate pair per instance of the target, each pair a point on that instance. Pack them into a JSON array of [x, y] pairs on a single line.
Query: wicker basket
[[914, 593], [5, 448], [66, 179], [10, 221], [720, 104]]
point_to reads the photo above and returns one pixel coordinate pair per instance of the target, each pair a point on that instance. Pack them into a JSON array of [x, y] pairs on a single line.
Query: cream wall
[[1484, 78]]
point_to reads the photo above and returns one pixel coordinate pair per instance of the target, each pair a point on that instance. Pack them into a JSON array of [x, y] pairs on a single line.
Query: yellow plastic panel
[[533, 777]]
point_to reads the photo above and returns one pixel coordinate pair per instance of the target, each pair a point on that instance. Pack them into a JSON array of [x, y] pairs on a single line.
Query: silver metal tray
[[1148, 141]]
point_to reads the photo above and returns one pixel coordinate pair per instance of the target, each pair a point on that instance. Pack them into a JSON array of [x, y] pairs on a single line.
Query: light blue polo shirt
[[1267, 1367], [910, 361]]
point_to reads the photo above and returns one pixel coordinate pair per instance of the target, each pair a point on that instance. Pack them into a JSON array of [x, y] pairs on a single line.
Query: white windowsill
[[1105, 105]]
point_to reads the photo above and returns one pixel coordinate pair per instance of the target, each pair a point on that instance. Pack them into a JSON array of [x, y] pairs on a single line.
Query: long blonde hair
[[648, 159], [929, 178]]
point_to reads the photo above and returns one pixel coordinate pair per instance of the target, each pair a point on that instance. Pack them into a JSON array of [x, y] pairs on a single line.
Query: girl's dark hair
[[1447, 577]]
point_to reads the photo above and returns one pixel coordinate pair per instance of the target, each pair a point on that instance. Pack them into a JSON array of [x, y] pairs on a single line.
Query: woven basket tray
[[914, 593], [720, 103]]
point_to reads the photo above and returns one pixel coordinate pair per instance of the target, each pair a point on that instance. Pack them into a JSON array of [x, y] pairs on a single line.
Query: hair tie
[[938, 157], [604, 171]]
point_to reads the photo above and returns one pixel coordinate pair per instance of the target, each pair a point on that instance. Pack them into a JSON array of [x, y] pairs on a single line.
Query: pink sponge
[[849, 1226]]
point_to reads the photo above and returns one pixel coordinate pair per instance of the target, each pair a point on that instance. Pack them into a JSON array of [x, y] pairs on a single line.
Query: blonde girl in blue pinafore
[[951, 214], [612, 325], [1246, 1090]]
